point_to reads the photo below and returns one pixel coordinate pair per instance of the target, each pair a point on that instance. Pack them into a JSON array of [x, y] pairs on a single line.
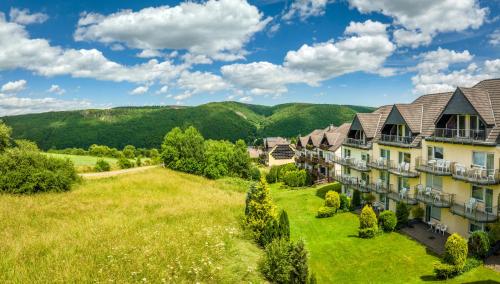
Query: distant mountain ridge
[[146, 126]]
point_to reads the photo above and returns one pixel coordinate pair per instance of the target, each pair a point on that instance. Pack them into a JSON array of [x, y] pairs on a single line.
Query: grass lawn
[[337, 255], [86, 163], [152, 226]]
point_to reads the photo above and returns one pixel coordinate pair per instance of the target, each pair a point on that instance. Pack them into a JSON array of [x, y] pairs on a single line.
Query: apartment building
[[440, 152]]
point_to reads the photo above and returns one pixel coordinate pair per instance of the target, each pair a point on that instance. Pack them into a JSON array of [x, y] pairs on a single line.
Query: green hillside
[[146, 126]]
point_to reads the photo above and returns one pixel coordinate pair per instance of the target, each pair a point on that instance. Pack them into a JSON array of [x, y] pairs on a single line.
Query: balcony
[[380, 164], [381, 187], [396, 140], [300, 159], [460, 136], [476, 213], [403, 169], [357, 143], [433, 197], [475, 175], [404, 195], [436, 167]]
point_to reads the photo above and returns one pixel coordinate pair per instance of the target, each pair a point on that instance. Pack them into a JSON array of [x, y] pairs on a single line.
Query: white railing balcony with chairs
[[380, 164], [360, 165], [459, 135], [476, 211], [403, 195], [403, 169], [476, 175], [435, 166], [357, 143], [431, 196], [396, 139], [381, 186], [345, 161]]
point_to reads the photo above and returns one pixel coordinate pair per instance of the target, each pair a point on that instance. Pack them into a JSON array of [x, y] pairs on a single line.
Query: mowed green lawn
[[154, 226], [337, 255]]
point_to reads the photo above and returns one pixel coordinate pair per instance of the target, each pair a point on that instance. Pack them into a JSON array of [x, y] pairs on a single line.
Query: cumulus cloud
[[13, 87], [56, 89], [162, 90], [305, 9], [140, 90], [23, 17], [18, 50], [495, 37], [149, 53], [200, 82], [218, 29], [12, 105], [436, 71], [426, 18]]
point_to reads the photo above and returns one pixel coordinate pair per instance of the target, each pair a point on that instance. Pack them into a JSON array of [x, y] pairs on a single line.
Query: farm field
[[153, 226], [86, 163], [337, 255]]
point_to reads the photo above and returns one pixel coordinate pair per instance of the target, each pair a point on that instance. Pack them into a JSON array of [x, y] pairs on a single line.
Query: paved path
[[115, 173]]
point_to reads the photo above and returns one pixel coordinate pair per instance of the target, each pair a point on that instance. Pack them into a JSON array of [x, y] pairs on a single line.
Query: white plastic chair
[[440, 165], [443, 228], [447, 165], [470, 205], [402, 193]]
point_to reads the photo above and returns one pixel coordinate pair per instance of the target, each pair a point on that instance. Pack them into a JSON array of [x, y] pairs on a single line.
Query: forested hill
[[146, 126]]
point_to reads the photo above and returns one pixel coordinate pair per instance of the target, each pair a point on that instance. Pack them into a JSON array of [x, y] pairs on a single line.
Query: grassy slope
[[154, 225], [146, 126], [339, 256]]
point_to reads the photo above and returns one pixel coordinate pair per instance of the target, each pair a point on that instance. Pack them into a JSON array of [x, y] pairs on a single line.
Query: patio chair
[[431, 225], [491, 177], [406, 167], [447, 165], [437, 228], [440, 165], [443, 228], [419, 189], [460, 170], [428, 191], [470, 205], [437, 197], [402, 193]]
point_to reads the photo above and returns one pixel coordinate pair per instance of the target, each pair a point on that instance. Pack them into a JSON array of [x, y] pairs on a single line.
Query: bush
[[269, 233], [471, 263], [33, 172], [295, 178], [388, 220], [124, 163], [367, 223], [272, 175], [445, 270], [298, 260], [312, 279], [479, 244], [417, 212], [356, 199], [276, 265], [254, 173], [284, 225], [332, 200], [369, 198], [325, 212], [494, 232], [455, 250], [344, 202], [260, 212], [402, 214], [321, 191], [102, 166]]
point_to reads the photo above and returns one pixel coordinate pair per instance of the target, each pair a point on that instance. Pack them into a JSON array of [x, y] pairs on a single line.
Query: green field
[[339, 256], [87, 163], [145, 227]]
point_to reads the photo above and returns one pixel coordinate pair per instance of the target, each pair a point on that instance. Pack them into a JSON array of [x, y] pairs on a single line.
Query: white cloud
[[149, 53], [495, 37], [12, 105], [140, 90], [214, 28], [23, 17], [184, 96], [56, 89], [162, 90], [201, 82], [305, 9], [13, 87], [413, 39], [246, 99], [426, 18], [436, 72], [18, 50]]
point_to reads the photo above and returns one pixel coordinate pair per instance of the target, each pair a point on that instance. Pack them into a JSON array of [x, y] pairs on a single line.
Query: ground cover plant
[[153, 226], [337, 255]]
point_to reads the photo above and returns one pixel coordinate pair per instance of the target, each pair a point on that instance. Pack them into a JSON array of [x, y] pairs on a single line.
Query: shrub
[[367, 223], [445, 270], [479, 244], [102, 166], [254, 173], [332, 199], [260, 211], [471, 263], [124, 163], [138, 161], [321, 191], [276, 265], [455, 250], [402, 214], [312, 279], [417, 212], [284, 225], [388, 220], [369, 198], [356, 199], [494, 232], [325, 211], [272, 175], [298, 260], [295, 178], [33, 172], [269, 233], [344, 202]]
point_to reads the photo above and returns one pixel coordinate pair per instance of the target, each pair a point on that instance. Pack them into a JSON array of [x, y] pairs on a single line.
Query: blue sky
[[57, 55]]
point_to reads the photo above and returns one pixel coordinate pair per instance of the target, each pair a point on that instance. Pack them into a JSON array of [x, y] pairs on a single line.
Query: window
[[483, 160], [436, 213], [365, 177], [403, 183], [365, 157], [475, 227], [477, 193], [386, 154], [404, 157], [435, 153], [384, 176], [483, 195], [434, 181], [347, 153], [347, 170]]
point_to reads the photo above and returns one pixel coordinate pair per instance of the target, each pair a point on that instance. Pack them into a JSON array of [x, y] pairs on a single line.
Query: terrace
[[404, 195], [380, 164], [475, 212], [357, 143], [433, 196], [396, 140], [476, 175], [435, 166], [403, 169]]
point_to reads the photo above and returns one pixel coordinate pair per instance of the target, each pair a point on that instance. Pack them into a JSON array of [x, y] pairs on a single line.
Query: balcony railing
[[381, 187], [396, 140], [403, 169], [435, 166], [433, 197], [404, 195], [475, 175], [468, 136], [357, 143], [380, 164], [476, 213]]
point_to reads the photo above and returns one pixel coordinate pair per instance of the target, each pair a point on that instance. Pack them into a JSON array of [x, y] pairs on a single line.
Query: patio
[[432, 240]]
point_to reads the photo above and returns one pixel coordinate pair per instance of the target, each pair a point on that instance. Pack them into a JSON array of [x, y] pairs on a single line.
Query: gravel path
[[115, 173]]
